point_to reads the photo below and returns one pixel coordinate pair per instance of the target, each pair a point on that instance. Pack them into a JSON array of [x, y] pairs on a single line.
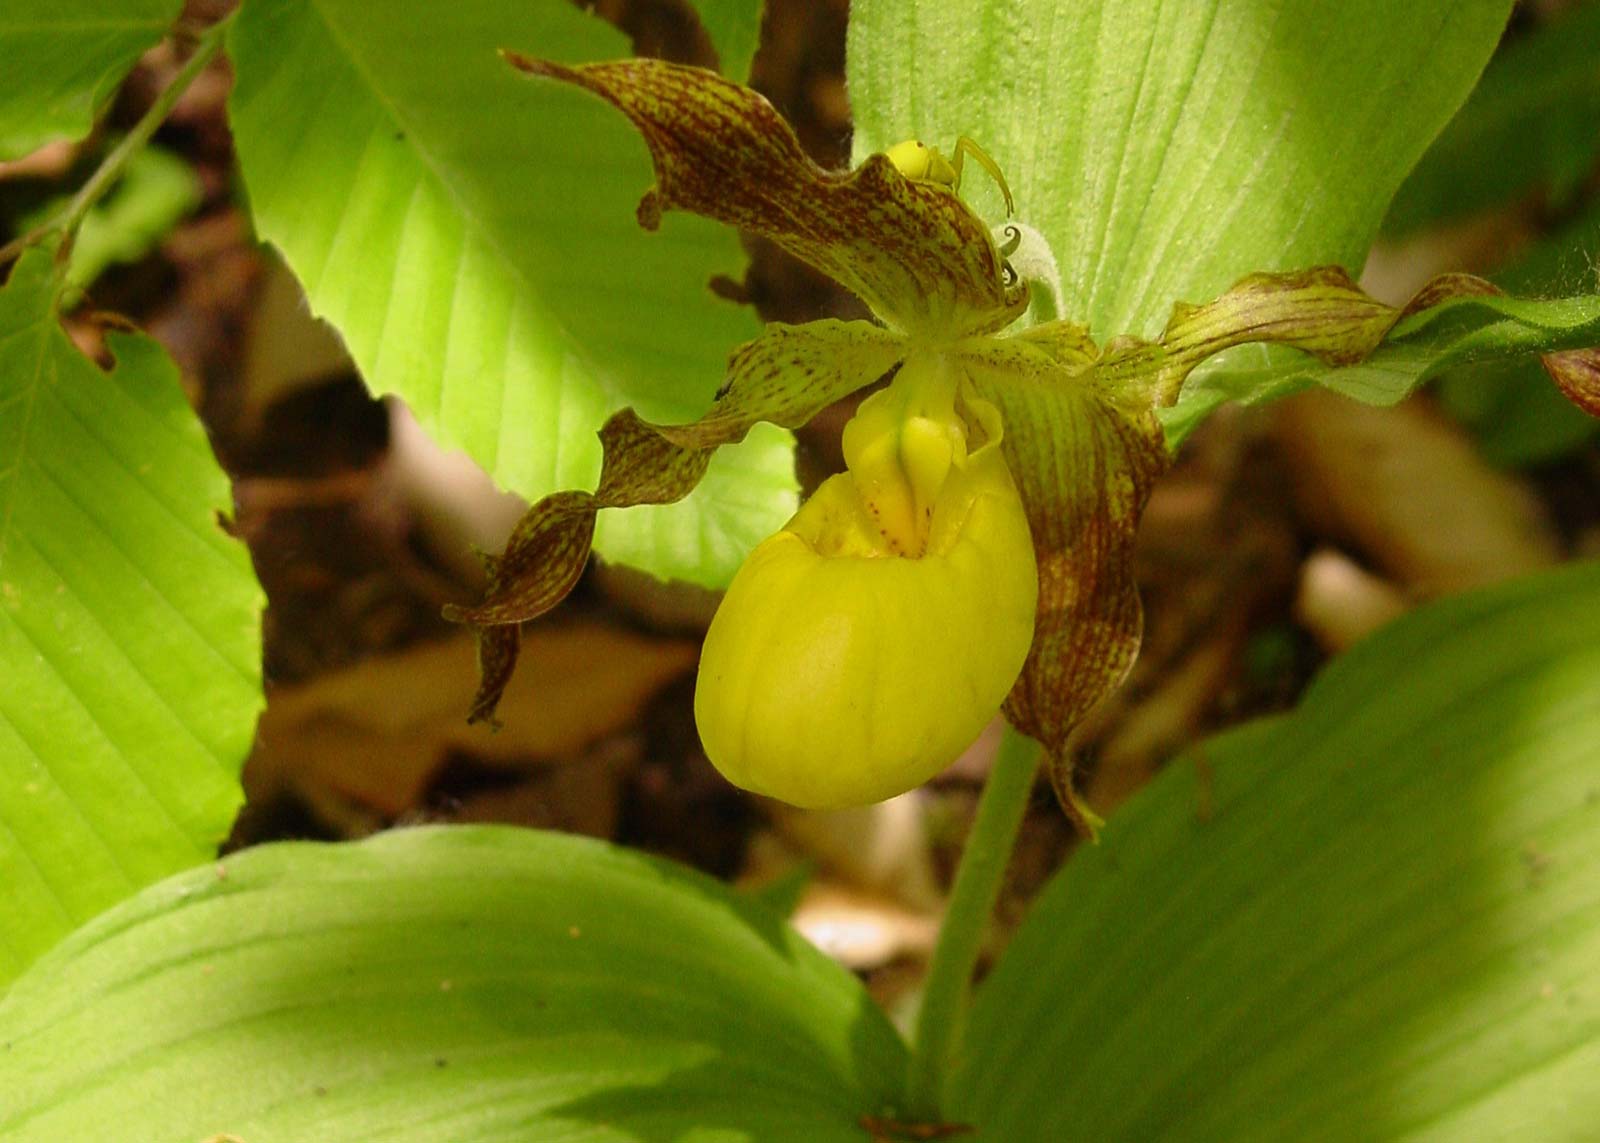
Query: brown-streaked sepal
[[549, 548], [1322, 312], [1319, 311], [1085, 458], [498, 647], [790, 374], [912, 250]]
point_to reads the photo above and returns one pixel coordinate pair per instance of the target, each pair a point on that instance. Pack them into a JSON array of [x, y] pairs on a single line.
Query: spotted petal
[[912, 250], [1085, 456], [786, 376], [1322, 312]]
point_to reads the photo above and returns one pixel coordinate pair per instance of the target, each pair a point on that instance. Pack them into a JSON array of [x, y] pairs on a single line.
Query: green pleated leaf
[[471, 234], [64, 59], [129, 627], [734, 28], [1377, 918], [1530, 123], [462, 984], [1165, 150]]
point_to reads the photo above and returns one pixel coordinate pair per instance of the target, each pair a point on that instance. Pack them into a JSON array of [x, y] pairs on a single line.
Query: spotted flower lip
[[1082, 441]]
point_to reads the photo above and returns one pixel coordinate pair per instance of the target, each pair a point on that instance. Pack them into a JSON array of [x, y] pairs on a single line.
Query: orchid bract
[[976, 554]]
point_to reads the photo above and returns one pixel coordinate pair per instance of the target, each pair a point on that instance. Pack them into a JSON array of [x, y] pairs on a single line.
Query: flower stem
[[942, 1018], [112, 166]]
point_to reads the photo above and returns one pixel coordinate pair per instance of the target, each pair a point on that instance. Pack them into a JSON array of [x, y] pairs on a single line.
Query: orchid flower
[[976, 554]]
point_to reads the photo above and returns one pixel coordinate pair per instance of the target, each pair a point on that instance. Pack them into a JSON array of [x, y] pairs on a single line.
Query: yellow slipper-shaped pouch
[[862, 648]]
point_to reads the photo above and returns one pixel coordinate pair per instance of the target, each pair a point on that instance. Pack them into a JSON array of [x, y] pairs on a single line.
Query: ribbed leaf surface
[[464, 984], [130, 647], [470, 232], [1376, 919]]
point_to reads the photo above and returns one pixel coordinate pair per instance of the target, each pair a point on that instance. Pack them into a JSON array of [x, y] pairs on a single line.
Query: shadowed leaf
[[460, 984]]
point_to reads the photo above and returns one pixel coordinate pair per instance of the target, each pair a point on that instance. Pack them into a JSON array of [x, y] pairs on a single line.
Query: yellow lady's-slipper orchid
[[864, 646], [977, 552]]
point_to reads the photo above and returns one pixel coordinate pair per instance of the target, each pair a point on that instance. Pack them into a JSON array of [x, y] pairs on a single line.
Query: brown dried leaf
[[364, 743]]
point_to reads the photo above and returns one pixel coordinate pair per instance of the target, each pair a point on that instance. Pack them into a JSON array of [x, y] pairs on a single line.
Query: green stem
[[112, 166], [942, 1018]]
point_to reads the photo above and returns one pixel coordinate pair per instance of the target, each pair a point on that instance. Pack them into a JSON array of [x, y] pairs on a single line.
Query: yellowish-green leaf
[[471, 236], [129, 627]]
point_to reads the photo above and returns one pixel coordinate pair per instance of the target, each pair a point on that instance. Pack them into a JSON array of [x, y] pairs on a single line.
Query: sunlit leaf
[[129, 627], [1376, 918], [64, 59], [469, 984], [1166, 150], [471, 235]]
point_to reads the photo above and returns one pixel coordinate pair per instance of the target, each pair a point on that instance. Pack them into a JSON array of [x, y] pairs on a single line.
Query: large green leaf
[[471, 234], [129, 627], [64, 58], [1167, 149], [461, 984], [1377, 918], [1531, 121]]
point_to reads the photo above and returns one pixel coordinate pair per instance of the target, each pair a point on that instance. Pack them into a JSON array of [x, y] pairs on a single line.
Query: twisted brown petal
[[911, 250], [1084, 458], [786, 376], [1321, 312]]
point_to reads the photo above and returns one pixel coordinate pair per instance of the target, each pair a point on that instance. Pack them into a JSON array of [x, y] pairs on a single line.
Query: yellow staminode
[[864, 646]]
